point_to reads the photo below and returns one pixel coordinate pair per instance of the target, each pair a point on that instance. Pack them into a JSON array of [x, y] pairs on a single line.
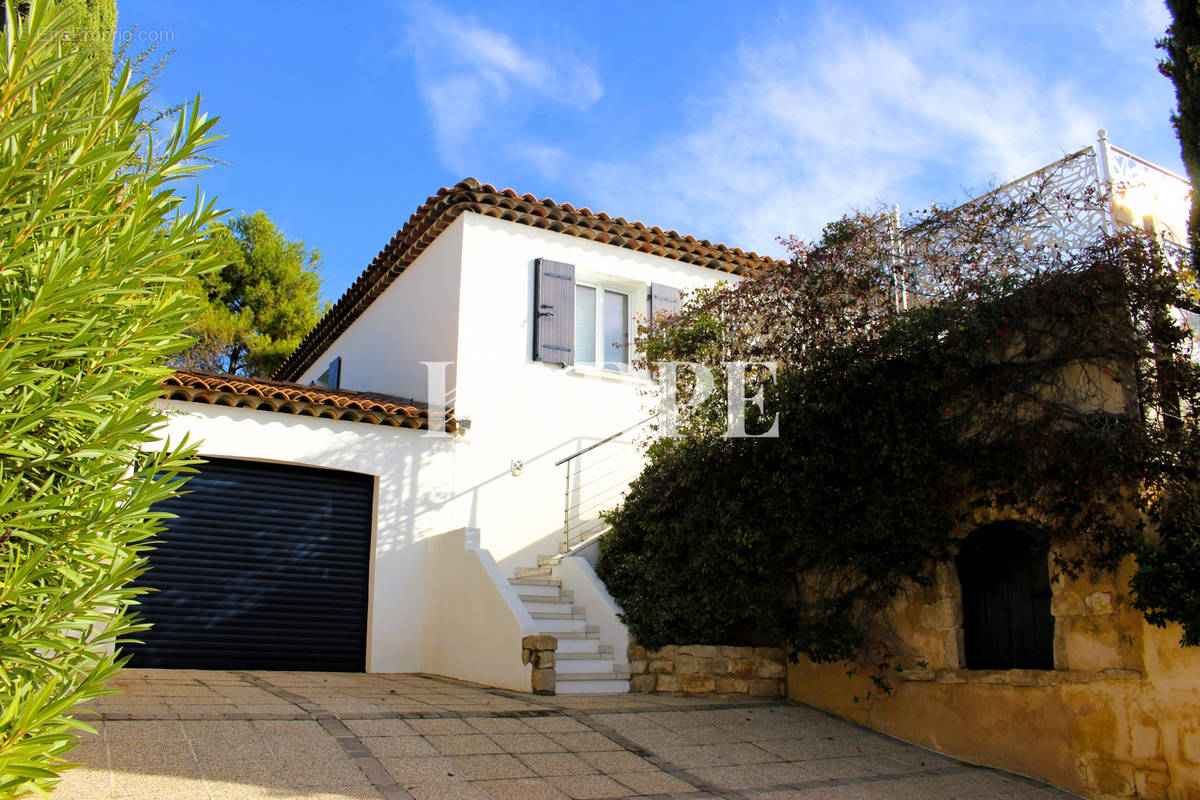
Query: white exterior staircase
[[583, 664]]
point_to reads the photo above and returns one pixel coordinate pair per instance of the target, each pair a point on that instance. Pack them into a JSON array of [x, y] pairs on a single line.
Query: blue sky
[[736, 122]]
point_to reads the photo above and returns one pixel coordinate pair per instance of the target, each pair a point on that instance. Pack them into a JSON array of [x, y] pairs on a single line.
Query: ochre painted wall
[[1119, 717]]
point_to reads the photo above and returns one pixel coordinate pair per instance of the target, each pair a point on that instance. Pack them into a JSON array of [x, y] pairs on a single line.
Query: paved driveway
[[194, 735]]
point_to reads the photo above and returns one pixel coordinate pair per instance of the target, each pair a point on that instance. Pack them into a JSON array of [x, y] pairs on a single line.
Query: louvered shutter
[[335, 373], [554, 312], [663, 300]]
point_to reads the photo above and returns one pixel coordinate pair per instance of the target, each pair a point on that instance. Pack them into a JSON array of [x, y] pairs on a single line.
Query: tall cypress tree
[[1182, 66]]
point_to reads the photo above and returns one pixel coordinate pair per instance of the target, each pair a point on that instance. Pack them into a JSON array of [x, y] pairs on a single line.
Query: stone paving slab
[[209, 735]]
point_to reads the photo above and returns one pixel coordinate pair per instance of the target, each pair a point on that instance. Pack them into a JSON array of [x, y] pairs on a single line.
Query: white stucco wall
[[414, 320], [473, 622], [413, 476], [531, 411]]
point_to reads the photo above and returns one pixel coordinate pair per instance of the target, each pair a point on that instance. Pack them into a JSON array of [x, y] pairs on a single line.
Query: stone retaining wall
[[708, 669]]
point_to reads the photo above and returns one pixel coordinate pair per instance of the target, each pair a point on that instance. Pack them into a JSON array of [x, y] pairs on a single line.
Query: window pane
[[585, 325], [616, 330]]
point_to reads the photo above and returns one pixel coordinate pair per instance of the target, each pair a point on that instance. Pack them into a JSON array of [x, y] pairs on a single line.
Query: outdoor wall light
[[516, 467]]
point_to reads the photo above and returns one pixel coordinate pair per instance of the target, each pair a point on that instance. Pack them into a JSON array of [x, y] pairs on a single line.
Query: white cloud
[[1131, 27], [478, 84], [846, 116]]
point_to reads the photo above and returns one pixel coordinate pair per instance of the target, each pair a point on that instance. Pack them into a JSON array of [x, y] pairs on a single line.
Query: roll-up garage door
[[265, 567]]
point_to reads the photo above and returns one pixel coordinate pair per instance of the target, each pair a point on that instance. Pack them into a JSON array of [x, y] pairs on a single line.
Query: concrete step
[[536, 587], [595, 663], [591, 684], [524, 573], [558, 611], [547, 605], [570, 643], [562, 596], [557, 625]]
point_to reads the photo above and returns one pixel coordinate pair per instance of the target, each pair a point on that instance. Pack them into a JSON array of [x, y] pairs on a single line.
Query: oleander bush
[[95, 249]]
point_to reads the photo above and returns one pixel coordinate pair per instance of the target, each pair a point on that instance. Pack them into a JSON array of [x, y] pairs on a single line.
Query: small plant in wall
[[97, 249], [1050, 378]]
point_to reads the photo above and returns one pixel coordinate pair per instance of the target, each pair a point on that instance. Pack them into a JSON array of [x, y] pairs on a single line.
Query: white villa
[[342, 524]]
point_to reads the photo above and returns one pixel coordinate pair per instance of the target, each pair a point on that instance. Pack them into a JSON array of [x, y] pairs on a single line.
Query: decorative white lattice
[[1064, 202], [1141, 189]]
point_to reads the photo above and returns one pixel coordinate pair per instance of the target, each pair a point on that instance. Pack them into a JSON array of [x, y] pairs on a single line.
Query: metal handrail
[[568, 507], [589, 448]]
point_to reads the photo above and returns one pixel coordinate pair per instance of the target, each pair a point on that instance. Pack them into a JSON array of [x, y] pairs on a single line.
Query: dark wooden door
[[1006, 600]]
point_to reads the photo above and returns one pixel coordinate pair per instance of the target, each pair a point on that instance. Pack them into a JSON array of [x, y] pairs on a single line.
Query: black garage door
[[264, 568]]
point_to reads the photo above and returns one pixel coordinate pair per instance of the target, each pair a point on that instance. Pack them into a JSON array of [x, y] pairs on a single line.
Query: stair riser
[[592, 687], [561, 625], [579, 646], [569, 666], [533, 590], [547, 606]]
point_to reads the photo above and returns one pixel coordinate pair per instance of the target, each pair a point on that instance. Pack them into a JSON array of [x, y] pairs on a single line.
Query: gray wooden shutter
[[554, 312], [663, 300]]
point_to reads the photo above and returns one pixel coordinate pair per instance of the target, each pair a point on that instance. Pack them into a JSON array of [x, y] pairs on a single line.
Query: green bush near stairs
[[95, 250]]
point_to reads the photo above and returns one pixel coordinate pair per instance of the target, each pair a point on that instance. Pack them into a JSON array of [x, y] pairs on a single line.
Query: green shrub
[[95, 248], [1067, 399]]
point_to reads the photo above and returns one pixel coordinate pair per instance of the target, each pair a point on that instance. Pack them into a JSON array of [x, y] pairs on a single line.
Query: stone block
[[1031, 677], [730, 651], [545, 659], [989, 676], [715, 666], [743, 668], [543, 681], [942, 614], [772, 653], [698, 650], [637, 666], [698, 684], [727, 685], [660, 666], [1189, 746], [1066, 604], [635, 651], [1100, 603], [667, 651], [1151, 784], [643, 684], [953, 646], [771, 669], [1119, 674], [686, 664], [918, 675], [668, 683], [951, 676], [1110, 777], [1145, 739], [1091, 643], [547, 642], [766, 687]]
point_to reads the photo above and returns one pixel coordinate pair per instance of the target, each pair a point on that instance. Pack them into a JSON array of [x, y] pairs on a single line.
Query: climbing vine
[[1052, 382]]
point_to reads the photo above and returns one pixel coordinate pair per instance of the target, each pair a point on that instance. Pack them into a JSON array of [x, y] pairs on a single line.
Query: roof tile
[[265, 394], [441, 209]]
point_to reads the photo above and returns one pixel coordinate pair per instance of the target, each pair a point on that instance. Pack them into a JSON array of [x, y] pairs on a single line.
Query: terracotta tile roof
[[264, 394], [440, 210]]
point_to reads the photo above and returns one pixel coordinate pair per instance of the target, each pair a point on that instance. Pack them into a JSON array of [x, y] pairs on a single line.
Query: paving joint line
[[376, 773], [629, 746]]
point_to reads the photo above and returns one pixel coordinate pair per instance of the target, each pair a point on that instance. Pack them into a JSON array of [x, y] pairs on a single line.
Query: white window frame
[[632, 292]]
